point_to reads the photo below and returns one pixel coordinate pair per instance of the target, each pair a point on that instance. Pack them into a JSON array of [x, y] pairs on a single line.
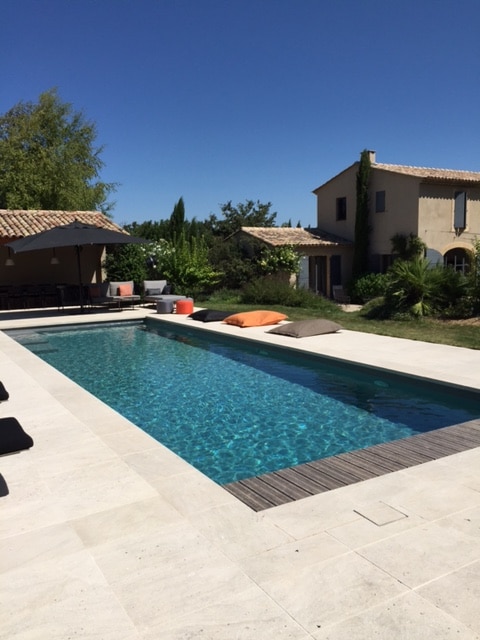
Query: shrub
[[368, 287], [272, 291]]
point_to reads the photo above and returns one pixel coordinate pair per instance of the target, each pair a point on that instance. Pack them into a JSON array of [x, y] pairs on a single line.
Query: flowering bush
[[279, 259]]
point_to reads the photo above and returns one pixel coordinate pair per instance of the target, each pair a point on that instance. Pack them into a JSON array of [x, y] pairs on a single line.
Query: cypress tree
[[362, 227]]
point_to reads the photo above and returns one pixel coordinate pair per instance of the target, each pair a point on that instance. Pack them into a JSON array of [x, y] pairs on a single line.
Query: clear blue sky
[[218, 100]]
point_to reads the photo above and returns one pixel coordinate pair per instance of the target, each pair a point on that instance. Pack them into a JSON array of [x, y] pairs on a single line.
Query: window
[[379, 201], [460, 210], [341, 208], [458, 260], [386, 261]]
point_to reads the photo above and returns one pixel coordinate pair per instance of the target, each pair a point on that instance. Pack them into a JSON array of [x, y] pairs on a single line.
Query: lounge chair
[[116, 293], [12, 437], [339, 294], [156, 290]]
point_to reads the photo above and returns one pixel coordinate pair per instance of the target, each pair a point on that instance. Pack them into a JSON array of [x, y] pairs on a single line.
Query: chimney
[[372, 155]]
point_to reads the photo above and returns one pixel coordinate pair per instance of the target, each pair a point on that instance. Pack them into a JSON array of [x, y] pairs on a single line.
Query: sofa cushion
[[154, 292], [209, 315], [148, 285], [255, 318], [125, 290], [305, 328]]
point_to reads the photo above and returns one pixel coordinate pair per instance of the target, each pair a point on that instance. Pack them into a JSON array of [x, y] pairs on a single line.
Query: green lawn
[[459, 334]]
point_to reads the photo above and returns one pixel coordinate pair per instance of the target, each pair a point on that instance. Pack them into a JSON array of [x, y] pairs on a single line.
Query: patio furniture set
[[157, 292]]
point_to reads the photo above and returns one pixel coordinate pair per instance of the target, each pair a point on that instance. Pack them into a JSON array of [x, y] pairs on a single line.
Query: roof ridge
[[414, 166]]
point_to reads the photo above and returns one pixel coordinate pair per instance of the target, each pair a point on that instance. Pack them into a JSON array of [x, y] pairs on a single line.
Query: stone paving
[[107, 534]]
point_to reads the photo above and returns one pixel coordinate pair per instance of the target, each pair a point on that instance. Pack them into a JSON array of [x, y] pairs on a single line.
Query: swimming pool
[[238, 411]]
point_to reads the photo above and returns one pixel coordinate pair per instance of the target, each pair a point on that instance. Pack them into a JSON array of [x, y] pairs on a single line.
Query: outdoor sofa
[[159, 290], [112, 293]]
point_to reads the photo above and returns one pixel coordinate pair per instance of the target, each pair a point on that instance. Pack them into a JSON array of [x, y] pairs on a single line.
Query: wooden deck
[[294, 483]]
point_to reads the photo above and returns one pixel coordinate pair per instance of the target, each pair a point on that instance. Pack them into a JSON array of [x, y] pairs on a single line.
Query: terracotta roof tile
[[18, 224], [279, 236], [430, 173]]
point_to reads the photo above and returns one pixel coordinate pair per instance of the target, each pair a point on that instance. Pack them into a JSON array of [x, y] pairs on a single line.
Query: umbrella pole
[[77, 247]]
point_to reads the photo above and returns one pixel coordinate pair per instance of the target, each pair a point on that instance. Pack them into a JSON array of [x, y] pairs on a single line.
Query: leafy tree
[[407, 247], [150, 229], [48, 158], [362, 227], [169, 229], [248, 214]]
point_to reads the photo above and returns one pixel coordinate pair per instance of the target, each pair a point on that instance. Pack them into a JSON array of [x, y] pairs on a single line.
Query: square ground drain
[[380, 513]]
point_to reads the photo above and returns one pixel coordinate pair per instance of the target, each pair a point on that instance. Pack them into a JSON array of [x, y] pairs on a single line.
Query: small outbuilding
[[32, 279], [320, 253]]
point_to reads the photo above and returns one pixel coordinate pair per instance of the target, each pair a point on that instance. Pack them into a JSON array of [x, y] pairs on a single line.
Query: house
[[30, 274], [440, 206]]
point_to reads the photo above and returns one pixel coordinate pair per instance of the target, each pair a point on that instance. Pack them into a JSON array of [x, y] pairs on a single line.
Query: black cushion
[[167, 290], [210, 315], [12, 436], [3, 487], [4, 395], [305, 328]]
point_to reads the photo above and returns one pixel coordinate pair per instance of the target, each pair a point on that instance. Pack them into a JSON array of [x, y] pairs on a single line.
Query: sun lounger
[[12, 437]]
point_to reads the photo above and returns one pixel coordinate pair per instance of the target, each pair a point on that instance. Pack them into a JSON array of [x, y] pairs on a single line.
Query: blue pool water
[[239, 411]]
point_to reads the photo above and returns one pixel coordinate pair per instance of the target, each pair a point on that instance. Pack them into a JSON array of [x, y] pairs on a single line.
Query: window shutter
[[460, 210]]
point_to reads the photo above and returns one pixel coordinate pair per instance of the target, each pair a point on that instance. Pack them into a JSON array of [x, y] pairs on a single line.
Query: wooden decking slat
[[309, 483], [286, 485]]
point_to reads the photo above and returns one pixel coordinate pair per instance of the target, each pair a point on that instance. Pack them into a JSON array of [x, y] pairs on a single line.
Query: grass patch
[[455, 333]]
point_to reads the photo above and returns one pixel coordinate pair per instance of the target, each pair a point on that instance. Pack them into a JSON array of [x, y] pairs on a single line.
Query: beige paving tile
[[134, 519], [422, 554], [466, 522], [246, 614], [132, 440], [97, 487], [458, 594], [432, 499], [363, 531], [66, 597], [461, 468], [292, 557], [29, 504], [380, 513], [157, 463], [238, 531], [408, 617], [42, 544], [311, 515], [191, 491], [327, 592], [185, 572]]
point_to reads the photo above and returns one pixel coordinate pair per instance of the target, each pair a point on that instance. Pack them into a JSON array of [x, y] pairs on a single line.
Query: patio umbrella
[[76, 234]]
